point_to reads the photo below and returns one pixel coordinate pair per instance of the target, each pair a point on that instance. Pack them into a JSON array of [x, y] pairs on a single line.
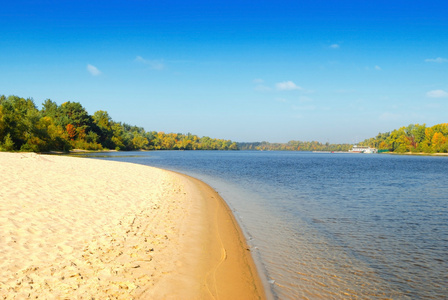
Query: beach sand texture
[[74, 228]]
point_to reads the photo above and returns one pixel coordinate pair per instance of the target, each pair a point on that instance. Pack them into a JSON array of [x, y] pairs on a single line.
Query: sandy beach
[[76, 228]]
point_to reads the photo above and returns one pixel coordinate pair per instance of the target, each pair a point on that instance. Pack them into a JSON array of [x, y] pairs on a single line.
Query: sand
[[77, 228]]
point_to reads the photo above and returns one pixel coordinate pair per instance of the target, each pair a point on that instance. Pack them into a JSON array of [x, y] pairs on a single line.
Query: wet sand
[[83, 228]]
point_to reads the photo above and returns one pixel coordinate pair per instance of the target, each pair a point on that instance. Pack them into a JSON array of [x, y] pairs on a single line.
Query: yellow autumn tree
[[439, 142]]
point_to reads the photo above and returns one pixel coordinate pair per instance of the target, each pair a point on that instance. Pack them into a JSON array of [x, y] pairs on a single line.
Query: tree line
[[294, 146], [414, 138], [23, 127]]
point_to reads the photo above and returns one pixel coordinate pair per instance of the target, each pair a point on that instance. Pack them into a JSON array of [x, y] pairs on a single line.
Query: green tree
[[104, 130], [8, 144], [15, 120]]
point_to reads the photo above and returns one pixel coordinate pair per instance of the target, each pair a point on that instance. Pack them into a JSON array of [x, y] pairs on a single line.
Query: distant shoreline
[[393, 153], [385, 153], [418, 154]]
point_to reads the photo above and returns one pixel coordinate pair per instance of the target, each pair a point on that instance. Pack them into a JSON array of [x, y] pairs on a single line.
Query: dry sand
[[74, 228]]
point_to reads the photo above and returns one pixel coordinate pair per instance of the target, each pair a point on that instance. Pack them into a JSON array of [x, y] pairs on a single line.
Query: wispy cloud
[[287, 86], [153, 64], [335, 46], [260, 86], [93, 70], [376, 68], [438, 60], [437, 94]]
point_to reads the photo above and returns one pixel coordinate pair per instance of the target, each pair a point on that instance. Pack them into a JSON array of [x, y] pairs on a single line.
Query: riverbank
[[418, 154], [83, 228]]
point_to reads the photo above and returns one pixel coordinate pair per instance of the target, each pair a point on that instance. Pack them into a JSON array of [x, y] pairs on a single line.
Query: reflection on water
[[333, 225]]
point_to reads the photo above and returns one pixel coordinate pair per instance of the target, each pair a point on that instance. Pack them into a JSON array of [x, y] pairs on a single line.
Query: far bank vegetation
[[23, 127], [68, 126], [414, 138]]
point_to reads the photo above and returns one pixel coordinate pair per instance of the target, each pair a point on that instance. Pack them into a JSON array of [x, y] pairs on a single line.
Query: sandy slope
[[81, 228]]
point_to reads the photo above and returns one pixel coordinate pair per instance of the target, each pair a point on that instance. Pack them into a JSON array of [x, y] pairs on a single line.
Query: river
[[331, 225]]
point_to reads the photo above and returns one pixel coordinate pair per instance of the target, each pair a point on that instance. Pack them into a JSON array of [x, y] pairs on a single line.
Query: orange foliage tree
[[71, 131]]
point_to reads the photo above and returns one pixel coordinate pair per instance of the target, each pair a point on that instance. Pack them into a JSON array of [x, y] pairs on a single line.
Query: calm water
[[332, 226]]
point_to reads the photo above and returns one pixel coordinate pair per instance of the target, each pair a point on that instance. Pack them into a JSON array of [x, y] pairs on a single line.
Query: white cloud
[[437, 94], [153, 64], [93, 70], [438, 60], [378, 68], [258, 80], [335, 46], [287, 86]]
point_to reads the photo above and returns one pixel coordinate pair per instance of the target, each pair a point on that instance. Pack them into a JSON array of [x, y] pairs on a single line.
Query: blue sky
[[333, 71]]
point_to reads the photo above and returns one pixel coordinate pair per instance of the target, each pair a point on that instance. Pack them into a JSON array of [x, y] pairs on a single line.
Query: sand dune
[[82, 228]]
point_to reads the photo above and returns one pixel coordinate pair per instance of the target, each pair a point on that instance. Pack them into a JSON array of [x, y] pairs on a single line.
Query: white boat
[[363, 149]]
